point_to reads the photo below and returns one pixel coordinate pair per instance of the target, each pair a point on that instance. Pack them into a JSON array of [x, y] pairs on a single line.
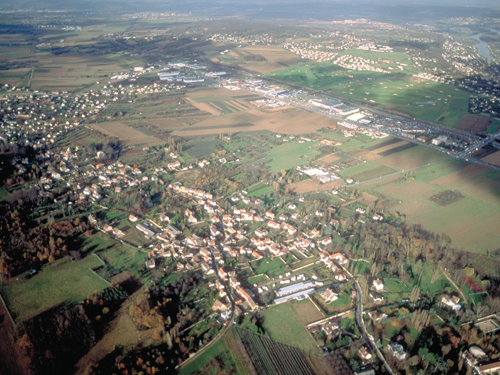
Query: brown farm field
[[471, 222], [473, 123], [204, 107], [458, 176], [243, 117], [308, 186], [276, 58], [493, 158], [329, 159], [129, 136], [307, 311], [389, 147]]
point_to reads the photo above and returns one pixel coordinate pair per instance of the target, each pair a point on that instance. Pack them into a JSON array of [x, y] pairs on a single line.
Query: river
[[482, 46]]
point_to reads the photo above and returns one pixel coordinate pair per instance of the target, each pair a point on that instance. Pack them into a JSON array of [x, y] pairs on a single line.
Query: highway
[[398, 116], [479, 142]]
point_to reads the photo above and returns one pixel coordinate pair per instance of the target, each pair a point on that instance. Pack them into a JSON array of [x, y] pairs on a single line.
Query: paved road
[[361, 324]]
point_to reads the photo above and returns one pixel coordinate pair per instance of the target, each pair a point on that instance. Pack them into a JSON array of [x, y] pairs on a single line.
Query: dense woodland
[[25, 245]]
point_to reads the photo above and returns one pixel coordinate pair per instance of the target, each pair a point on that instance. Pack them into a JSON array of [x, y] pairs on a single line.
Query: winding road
[[358, 313]]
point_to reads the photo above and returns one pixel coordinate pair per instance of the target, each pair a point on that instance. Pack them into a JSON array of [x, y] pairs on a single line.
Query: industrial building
[[325, 103]]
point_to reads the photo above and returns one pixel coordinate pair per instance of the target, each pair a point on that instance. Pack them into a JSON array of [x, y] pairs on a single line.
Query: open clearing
[[413, 157], [289, 155], [72, 71], [323, 75], [128, 135], [58, 283]]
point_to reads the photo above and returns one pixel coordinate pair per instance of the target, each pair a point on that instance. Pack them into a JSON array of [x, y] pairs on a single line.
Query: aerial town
[[194, 193]]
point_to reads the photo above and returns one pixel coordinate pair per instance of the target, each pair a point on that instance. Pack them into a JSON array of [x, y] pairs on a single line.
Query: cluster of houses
[[247, 39], [210, 254]]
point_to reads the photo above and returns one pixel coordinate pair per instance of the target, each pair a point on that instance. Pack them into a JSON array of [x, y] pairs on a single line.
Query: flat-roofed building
[[294, 288]]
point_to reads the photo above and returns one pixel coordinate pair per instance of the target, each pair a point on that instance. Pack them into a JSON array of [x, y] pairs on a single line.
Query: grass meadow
[[61, 282], [283, 325]]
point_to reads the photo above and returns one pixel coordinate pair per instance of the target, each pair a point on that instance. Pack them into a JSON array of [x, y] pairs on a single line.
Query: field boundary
[[8, 311]]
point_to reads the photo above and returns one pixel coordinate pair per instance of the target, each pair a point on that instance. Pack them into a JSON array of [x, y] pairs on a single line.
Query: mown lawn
[[272, 267]]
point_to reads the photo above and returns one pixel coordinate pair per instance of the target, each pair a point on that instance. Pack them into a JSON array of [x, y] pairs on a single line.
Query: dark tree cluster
[[25, 245]]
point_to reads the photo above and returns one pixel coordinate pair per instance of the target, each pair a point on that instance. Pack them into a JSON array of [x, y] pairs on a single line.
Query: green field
[[449, 104], [216, 350], [324, 75], [97, 242], [260, 189], [3, 193], [367, 171], [201, 148], [61, 282], [395, 286], [272, 267], [124, 258], [282, 324], [291, 154], [396, 290], [257, 279]]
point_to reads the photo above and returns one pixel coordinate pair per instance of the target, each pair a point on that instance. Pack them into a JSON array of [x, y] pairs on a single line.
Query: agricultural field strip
[[268, 355]]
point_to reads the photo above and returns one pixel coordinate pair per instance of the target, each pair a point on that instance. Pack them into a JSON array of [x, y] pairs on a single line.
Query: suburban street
[[361, 324]]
